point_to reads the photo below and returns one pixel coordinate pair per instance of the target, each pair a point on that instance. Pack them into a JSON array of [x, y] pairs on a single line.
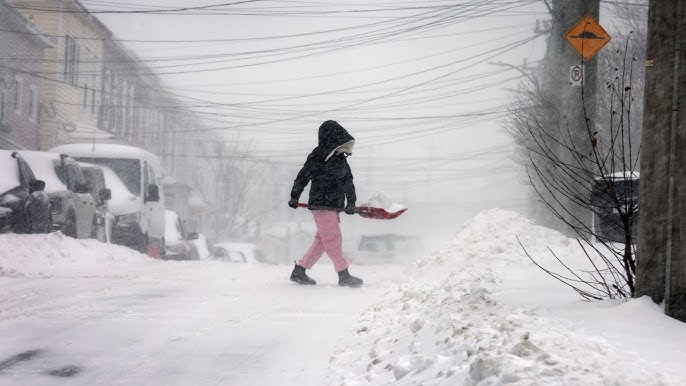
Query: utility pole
[[577, 104], [661, 248], [219, 188]]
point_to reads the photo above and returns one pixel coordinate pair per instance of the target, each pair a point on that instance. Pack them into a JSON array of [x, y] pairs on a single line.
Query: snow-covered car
[[95, 179], [177, 244], [71, 205], [202, 246], [120, 197], [237, 252], [139, 213], [14, 192], [228, 256], [386, 248]]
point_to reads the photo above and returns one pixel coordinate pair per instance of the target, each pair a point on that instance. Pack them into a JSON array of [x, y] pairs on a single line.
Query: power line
[[156, 11]]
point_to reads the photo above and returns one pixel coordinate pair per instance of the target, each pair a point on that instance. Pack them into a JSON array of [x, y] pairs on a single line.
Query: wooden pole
[[661, 253]]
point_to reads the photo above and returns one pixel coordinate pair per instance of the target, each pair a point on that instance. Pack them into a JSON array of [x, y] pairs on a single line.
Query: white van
[[139, 211]]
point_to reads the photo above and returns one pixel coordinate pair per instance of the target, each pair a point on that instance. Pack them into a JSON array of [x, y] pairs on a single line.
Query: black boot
[[348, 280], [299, 276]]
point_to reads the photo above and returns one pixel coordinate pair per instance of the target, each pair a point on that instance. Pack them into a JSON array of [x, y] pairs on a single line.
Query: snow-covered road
[[177, 323], [475, 312]]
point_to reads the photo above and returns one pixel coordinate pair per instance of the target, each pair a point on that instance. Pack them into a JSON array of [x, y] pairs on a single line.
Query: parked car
[[228, 255], [139, 211], [202, 246], [386, 248], [95, 179], [177, 241], [609, 192], [119, 198], [14, 192], [237, 252], [71, 205]]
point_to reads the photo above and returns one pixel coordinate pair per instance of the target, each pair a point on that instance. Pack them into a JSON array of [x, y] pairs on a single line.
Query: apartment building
[[72, 69], [21, 82], [94, 89]]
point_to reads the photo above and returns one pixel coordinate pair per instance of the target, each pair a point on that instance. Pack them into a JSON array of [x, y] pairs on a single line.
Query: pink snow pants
[[328, 239]]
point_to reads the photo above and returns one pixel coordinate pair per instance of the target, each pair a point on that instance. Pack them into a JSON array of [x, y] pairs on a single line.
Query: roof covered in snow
[[43, 166], [105, 150]]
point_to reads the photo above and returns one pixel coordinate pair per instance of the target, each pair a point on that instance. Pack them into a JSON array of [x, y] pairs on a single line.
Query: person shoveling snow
[[331, 192]]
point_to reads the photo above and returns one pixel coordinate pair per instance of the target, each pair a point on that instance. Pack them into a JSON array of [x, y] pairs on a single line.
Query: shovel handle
[[303, 205], [369, 212]]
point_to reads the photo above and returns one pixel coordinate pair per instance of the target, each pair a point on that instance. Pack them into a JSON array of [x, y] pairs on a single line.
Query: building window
[[105, 111], [3, 103], [130, 108], [119, 115], [33, 104], [85, 97], [93, 101], [124, 103], [71, 61], [105, 98], [17, 95], [88, 77]]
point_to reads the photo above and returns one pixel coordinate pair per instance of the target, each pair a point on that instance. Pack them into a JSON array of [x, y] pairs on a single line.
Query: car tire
[[163, 252], [94, 228], [143, 246], [138, 242]]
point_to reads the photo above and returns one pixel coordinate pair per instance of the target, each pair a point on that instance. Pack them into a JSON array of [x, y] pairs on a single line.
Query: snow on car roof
[[43, 166], [8, 169], [104, 150]]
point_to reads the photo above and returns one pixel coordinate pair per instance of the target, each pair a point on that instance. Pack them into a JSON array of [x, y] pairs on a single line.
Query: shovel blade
[[378, 213]]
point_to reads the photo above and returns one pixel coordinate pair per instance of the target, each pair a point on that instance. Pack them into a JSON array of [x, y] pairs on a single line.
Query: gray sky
[[414, 82]]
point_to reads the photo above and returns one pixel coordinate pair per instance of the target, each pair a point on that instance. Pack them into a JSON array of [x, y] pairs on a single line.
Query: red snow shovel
[[371, 212]]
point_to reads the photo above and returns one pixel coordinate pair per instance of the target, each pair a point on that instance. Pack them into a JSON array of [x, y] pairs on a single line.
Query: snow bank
[[55, 255], [448, 326]]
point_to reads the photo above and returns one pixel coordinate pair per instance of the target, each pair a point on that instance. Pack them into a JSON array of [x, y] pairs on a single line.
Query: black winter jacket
[[332, 179]]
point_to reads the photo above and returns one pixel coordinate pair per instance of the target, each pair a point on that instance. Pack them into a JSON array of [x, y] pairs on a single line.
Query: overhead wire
[[377, 98]]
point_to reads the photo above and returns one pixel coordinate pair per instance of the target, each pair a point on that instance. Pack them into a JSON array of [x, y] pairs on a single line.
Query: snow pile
[[447, 326], [492, 237], [56, 255]]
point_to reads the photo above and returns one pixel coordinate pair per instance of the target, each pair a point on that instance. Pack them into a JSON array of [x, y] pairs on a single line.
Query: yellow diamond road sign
[[587, 37]]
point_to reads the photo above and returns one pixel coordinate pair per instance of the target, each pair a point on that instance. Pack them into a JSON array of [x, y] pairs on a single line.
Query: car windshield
[[128, 170]]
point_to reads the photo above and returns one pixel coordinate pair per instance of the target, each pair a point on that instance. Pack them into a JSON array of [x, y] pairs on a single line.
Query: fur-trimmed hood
[[334, 139]]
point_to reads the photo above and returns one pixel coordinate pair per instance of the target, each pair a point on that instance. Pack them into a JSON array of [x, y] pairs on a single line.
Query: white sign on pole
[[576, 75]]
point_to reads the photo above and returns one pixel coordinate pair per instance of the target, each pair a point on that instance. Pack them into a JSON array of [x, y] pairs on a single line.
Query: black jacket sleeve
[[303, 178], [349, 188]]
